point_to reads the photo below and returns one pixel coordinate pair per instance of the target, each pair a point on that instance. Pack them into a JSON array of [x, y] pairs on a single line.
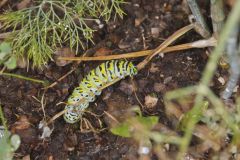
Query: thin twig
[[65, 75], [60, 79], [166, 43], [43, 106], [59, 114], [197, 44], [111, 116]]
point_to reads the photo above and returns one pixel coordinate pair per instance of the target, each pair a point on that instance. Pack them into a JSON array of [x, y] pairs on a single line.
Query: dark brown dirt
[[151, 20]]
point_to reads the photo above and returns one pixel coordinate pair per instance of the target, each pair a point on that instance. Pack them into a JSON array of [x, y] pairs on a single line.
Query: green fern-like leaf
[[40, 29]]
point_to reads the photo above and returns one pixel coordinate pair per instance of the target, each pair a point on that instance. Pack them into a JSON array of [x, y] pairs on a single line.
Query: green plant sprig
[[40, 29]]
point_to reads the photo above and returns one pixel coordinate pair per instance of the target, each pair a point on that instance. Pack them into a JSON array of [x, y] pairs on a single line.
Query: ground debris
[[46, 131], [126, 87], [27, 157], [21, 124], [151, 101], [63, 52]]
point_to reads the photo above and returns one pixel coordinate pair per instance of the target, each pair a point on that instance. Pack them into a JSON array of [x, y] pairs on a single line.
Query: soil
[[146, 24]]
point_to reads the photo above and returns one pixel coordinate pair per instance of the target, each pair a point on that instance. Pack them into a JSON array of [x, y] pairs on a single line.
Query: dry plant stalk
[[166, 43], [211, 42]]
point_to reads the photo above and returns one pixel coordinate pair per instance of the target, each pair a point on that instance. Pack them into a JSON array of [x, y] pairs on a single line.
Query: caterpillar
[[90, 86]]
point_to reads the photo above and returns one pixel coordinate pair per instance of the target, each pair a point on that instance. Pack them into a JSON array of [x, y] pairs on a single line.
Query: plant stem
[[218, 16], [24, 78], [208, 73], [165, 44], [233, 55], [3, 119], [202, 27]]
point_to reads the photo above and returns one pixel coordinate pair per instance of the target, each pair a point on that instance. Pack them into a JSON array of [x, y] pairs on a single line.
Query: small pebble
[[221, 80]]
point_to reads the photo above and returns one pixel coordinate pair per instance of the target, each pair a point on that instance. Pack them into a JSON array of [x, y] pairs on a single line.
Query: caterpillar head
[[72, 114]]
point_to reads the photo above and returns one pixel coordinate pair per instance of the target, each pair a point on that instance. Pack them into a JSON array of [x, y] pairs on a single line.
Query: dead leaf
[[231, 2], [140, 16], [167, 80], [167, 7], [50, 157], [27, 157], [22, 62], [21, 124], [119, 109], [23, 4], [46, 131], [103, 51], [151, 101], [155, 32], [159, 87], [123, 45], [63, 52]]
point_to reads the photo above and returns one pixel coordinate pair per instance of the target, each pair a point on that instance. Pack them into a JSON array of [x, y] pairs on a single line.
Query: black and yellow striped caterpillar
[[91, 85]]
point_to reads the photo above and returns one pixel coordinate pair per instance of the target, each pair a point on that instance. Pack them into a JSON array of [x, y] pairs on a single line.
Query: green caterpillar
[[91, 85]]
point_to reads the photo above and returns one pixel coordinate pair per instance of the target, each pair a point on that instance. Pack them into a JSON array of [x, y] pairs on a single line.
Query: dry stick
[[60, 79], [197, 44], [43, 106], [65, 75], [142, 64], [59, 114], [111, 116], [68, 73], [166, 43]]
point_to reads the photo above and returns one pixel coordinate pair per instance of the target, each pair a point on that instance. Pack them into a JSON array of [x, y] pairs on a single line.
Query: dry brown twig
[[172, 49], [65, 75], [166, 43]]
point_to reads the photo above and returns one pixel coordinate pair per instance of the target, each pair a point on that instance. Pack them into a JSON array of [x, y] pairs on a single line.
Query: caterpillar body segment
[[72, 114], [91, 85]]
